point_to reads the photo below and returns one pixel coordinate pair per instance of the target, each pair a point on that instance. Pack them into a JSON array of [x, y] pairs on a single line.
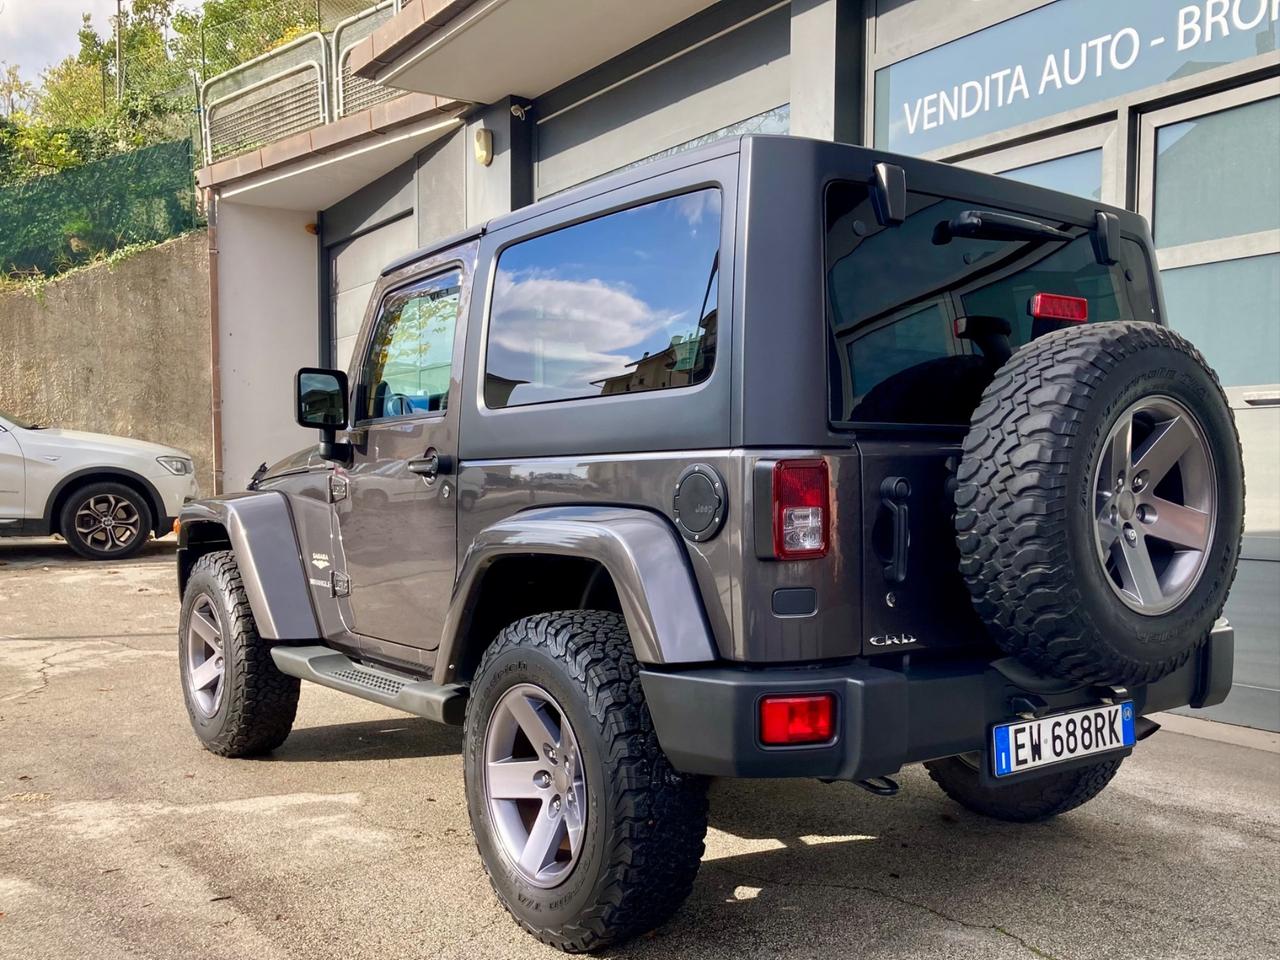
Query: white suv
[[104, 495]]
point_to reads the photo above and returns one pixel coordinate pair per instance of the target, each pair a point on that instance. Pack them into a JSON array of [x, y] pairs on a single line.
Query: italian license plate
[[1027, 744]]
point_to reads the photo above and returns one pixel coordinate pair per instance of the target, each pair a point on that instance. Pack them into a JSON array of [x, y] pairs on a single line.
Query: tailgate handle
[[894, 493]]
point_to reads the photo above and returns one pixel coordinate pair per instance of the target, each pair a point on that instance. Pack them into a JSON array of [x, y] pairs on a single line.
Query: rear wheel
[[1022, 801], [587, 833], [105, 521]]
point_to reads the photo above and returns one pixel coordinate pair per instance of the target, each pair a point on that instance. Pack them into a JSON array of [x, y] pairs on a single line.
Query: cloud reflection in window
[[619, 304]]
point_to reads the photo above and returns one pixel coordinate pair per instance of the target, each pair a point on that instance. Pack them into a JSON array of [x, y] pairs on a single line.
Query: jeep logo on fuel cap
[[698, 506]]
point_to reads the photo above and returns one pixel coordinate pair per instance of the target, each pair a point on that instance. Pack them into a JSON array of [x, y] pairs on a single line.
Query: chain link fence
[[58, 221], [193, 91]]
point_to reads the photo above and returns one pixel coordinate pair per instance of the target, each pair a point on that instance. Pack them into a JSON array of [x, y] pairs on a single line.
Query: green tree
[[15, 93], [225, 33]]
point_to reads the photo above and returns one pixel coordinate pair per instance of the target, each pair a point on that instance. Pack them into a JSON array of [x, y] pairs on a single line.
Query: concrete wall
[[121, 349], [268, 305]]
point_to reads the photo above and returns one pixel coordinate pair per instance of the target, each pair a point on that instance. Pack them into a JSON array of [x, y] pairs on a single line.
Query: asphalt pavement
[[121, 838]]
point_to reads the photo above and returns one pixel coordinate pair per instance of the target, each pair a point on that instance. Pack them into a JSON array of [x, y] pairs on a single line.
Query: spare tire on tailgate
[[1099, 503]]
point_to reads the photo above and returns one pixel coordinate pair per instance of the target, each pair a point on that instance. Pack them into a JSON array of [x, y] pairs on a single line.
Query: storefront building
[[1168, 107]]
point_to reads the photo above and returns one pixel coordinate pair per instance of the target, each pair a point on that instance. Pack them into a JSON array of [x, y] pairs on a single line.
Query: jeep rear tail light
[[789, 720], [1054, 306], [801, 509]]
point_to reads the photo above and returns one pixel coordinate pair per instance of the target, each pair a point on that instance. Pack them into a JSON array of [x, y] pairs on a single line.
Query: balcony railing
[[303, 84], [351, 93]]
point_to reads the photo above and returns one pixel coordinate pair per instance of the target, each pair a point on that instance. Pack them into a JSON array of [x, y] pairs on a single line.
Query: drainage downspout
[[214, 338]]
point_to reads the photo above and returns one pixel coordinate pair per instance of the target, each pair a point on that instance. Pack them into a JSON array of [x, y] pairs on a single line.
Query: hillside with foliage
[[99, 151], [89, 107]]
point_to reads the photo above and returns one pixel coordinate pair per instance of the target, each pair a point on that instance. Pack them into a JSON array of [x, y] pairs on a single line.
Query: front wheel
[[1021, 801], [587, 833], [105, 521], [239, 703]]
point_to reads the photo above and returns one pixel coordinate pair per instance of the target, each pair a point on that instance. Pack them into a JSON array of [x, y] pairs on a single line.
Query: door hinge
[[337, 488], [339, 584]]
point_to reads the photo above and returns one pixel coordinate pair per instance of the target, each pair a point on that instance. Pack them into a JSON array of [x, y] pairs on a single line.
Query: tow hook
[[1144, 727], [880, 786]]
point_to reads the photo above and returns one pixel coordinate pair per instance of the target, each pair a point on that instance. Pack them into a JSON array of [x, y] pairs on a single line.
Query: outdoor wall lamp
[[484, 146]]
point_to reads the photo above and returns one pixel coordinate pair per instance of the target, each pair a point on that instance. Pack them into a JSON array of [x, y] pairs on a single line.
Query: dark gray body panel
[[259, 526], [641, 552]]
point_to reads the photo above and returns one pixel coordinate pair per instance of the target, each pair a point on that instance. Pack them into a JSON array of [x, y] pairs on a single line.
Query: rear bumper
[[706, 719]]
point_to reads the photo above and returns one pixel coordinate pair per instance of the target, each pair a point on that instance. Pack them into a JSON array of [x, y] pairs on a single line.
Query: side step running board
[[329, 668]]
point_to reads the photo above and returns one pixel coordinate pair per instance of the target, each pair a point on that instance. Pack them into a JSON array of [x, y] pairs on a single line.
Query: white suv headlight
[[179, 466]]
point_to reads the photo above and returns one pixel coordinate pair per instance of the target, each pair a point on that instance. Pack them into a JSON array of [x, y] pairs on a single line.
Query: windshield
[[21, 424], [920, 320]]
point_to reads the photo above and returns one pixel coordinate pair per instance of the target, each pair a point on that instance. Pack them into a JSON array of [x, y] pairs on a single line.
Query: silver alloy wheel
[[109, 523], [206, 666], [534, 785], [1156, 504]]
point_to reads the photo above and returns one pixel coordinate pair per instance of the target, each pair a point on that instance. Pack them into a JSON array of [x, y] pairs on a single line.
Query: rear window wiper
[[989, 225]]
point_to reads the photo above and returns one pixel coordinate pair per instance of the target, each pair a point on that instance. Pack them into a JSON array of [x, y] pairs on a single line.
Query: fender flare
[[259, 527], [651, 573]]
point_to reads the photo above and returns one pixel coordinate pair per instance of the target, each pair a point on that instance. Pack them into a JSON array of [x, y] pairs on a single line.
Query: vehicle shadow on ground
[[46, 551], [391, 739], [880, 876]]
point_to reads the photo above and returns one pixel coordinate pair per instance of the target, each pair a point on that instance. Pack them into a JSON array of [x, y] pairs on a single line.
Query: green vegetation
[[83, 151]]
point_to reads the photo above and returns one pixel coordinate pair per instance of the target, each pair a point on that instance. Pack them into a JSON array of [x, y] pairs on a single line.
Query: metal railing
[[303, 84], [351, 93]]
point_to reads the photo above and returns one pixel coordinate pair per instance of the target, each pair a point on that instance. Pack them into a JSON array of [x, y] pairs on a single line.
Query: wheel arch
[[258, 528], [589, 557], [72, 482]]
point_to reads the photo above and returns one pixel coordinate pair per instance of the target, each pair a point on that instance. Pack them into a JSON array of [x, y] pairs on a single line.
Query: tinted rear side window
[[624, 303], [894, 297]]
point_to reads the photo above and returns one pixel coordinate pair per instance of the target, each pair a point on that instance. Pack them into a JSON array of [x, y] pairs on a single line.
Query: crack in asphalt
[[42, 671], [896, 898]]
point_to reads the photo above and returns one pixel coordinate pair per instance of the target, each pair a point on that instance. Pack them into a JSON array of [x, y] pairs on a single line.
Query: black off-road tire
[[1023, 801], [1025, 503], [258, 702], [78, 497], [645, 827]]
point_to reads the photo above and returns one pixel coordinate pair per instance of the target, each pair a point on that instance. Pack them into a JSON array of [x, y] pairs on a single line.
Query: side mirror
[[321, 403]]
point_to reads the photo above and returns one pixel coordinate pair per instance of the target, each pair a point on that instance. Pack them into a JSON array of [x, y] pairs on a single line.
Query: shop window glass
[[1217, 176], [1229, 311], [1079, 173]]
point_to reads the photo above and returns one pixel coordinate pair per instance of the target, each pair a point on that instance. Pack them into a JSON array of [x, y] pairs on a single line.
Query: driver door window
[[407, 368]]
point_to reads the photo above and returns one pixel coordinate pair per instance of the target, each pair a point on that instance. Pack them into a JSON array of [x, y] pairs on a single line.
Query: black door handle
[[431, 464], [894, 493], [427, 466]]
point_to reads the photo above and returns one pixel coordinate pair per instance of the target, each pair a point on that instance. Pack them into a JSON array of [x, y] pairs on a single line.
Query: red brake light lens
[[801, 509], [1054, 306], [787, 720]]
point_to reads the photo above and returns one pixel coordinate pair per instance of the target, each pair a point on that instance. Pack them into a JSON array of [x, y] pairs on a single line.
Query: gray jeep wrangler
[[779, 458]]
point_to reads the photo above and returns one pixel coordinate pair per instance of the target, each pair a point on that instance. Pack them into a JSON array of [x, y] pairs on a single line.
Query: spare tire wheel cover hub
[[1157, 498]]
